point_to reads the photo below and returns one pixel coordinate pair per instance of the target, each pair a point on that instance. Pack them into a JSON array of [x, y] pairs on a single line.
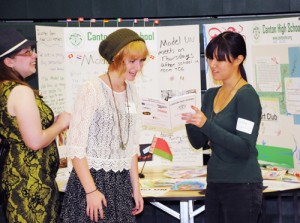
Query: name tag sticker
[[132, 108], [244, 125]]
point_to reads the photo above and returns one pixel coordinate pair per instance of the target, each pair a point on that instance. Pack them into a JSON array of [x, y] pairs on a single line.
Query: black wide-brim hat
[[12, 41]]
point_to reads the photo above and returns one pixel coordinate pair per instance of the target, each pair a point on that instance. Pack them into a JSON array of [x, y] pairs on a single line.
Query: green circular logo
[[75, 39]]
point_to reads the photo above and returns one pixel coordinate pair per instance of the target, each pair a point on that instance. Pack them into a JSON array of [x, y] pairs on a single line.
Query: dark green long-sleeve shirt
[[234, 153]]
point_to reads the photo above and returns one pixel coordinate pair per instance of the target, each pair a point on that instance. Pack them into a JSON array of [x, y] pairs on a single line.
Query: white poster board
[[67, 57]]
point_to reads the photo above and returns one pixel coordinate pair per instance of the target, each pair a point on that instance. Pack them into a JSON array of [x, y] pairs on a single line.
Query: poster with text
[[68, 56]]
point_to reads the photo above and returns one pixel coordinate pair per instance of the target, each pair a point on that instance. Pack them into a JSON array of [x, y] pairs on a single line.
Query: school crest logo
[[256, 32], [75, 39]]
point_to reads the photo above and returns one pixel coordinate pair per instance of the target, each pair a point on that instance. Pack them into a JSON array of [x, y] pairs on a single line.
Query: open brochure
[[167, 114]]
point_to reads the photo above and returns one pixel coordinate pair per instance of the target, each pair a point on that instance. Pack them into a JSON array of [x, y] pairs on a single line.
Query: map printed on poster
[[273, 68], [69, 56]]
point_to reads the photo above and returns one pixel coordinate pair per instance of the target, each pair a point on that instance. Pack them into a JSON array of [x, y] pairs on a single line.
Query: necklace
[[226, 98], [122, 143]]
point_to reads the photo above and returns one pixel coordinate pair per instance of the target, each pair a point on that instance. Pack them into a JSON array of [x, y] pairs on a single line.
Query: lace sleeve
[[82, 115]]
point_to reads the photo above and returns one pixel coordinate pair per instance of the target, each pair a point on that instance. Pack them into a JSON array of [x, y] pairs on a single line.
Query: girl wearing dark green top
[[229, 122]]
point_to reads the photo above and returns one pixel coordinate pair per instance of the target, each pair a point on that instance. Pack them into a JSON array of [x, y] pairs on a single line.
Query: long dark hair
[[225, 45], [9, 74]]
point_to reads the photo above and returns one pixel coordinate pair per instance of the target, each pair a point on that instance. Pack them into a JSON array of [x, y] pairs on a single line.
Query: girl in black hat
[[103, 140], [27, 129]]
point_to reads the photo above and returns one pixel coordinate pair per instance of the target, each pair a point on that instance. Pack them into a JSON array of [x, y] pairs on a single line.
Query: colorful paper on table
[[186, 172], [161, 148], [188, 185], [273, 174], [160, 182], [154, 192]]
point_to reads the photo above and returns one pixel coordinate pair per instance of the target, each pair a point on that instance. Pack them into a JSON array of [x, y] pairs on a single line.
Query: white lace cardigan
[[94, 130]]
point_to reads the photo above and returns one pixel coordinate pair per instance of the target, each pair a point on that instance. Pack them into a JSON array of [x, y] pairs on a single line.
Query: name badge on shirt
[[131, 108], [244, 125]]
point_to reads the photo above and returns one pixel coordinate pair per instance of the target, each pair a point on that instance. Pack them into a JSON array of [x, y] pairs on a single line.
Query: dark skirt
[[117, 189]]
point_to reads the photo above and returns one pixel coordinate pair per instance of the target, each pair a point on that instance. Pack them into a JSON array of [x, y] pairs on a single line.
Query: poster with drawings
[[68, 56], [273, 68]]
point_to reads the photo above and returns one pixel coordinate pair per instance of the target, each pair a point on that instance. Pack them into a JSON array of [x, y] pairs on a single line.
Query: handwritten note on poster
[[51, 67]]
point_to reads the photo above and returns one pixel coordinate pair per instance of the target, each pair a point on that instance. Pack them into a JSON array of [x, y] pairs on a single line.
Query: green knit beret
[[115, 41]]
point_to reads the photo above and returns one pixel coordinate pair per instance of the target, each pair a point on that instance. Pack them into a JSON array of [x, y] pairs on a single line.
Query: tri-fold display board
[[67, 57]]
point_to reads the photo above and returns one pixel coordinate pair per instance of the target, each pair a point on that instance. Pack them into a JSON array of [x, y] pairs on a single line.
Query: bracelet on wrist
[[91, 191]]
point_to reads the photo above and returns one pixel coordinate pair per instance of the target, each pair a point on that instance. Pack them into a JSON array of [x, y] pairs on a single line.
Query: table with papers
[[158, 187]]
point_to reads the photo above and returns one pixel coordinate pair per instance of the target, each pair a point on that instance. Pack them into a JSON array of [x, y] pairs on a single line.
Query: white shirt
[[94, 130]]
